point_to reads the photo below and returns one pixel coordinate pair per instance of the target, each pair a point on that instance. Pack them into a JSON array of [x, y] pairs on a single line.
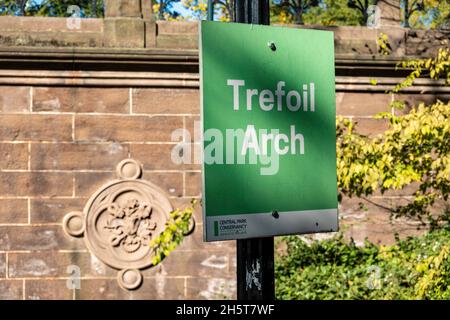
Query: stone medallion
[[119, 220]]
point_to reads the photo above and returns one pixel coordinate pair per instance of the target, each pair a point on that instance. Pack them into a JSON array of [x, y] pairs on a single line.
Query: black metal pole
[[255, 269], [210, 12], [252, 11], [255, 257]]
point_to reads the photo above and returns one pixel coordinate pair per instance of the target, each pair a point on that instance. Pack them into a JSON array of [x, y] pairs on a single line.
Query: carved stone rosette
[[119, 220]]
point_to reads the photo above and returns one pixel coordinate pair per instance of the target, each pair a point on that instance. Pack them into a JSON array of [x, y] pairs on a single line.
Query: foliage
[[426, 14], [436, 68], [323, 12], [410, 8], [177, 227], [198, 8], [362, 7], [51, 8], [13, 7], [224, 9], [333, 13], [415, 148], [415, 13], [414, 268], [384, 47], [296, 8], [440, 14], [279, 15], [164, 9]]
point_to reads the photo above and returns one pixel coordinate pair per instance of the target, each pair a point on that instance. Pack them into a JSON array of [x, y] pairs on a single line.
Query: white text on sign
[[293, 100]]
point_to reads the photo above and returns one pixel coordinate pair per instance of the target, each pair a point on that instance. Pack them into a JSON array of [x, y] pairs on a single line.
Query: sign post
[[255, 257], [269, 138]]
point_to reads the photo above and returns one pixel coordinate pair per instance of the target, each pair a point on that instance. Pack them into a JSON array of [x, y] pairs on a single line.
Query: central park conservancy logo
[[249, 145], [229, 227]]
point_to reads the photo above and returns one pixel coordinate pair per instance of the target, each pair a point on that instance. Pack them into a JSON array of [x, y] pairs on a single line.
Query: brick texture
[[75, 99], [13, 156], [48, 290], [193, 184], [159, 157], [54, 210], [11, 290], [194, 128], [134, 129], [195, 242], [361, 104], [2, 265], [44, 265], [13, 211], [36, 184], [88, 182], [35, 128], [14, 99], [37, 238], [171, 183], [208, 264], [166, 101], [152, 289], [77, 156], [370, 127], [219, 288], [371, 219]]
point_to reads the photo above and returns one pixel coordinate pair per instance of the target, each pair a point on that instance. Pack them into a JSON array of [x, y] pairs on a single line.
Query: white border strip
[[200, 59], [258, 225]]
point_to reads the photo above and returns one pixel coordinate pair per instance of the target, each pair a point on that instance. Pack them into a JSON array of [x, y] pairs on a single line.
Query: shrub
[[415, 148], [414, 268]]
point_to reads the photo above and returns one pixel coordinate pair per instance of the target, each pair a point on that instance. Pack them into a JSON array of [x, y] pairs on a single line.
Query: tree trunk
[[406, 15], [22, 4], [365, 17], [230, 8], [161, 10], [94, 8], [299, 16]]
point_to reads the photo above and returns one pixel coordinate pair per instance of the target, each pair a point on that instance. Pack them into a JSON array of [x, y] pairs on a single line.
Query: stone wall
[[60, 144], [73, 106], [138, 33]]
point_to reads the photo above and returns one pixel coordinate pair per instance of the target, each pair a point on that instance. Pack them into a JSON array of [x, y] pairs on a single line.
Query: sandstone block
[[77, 156], [35, 128], [75, 99], [13, 156], [13, 211], [14, 99], [166, 101], [126, 129]]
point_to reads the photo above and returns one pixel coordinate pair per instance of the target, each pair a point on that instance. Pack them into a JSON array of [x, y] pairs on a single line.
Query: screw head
[[272, 46]]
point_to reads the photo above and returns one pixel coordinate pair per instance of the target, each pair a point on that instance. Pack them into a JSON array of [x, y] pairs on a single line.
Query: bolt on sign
[[269, 135]]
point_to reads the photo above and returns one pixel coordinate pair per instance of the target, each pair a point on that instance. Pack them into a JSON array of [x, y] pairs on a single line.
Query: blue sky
[[179, 8]]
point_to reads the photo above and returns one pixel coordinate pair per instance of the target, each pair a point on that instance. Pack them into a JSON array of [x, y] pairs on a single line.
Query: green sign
[[269, 137]]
